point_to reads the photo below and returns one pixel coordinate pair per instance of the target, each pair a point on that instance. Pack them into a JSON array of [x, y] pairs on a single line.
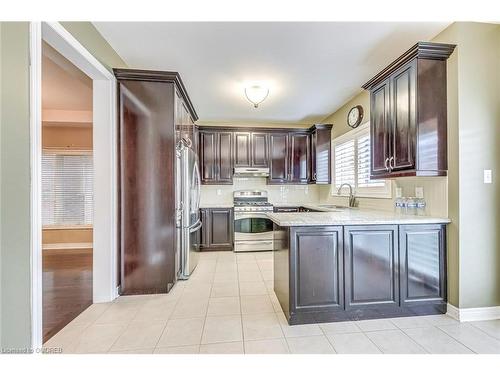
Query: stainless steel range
[[253, 230]]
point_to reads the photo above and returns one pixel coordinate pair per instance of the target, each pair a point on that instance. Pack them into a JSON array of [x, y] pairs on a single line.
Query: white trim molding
[[36, 183], [105, 165], [473, 314]]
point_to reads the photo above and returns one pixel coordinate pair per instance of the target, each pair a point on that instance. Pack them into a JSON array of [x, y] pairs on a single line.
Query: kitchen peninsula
[[350, 264]]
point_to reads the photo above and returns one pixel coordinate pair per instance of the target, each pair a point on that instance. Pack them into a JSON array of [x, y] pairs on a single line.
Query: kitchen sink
[[332, 206]]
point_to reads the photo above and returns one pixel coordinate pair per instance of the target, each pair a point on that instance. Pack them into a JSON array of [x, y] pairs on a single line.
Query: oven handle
[[238, 216], [253, 242]]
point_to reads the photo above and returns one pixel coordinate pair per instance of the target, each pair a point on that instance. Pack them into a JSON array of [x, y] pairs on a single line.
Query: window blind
[[344, 163], [363, 151], [67, 189]]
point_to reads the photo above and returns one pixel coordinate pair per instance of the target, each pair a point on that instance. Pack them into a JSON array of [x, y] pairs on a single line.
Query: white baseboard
[[473, 314]]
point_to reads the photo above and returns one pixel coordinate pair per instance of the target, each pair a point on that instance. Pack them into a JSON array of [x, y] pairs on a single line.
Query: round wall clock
[[355, 116]]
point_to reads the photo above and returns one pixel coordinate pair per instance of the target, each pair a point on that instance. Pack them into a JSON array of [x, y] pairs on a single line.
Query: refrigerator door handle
[[195, 227]]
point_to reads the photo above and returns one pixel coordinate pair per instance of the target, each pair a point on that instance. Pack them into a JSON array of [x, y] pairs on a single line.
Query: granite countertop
[[349, 216], [216, 205]]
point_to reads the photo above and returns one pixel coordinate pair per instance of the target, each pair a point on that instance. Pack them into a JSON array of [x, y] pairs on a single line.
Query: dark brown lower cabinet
[[317, 268], [335, 273], [371, 266], [422, 265], [217, 228]]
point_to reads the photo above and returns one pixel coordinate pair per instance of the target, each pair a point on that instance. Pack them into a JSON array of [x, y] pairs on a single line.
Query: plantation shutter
[[344, 154], [363, 143]]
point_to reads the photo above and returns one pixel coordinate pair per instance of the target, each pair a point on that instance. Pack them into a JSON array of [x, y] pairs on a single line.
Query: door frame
[[105, 171]]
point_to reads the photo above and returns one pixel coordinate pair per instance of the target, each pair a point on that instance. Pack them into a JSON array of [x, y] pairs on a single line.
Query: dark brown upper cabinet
[[216, 158], [293, 156], [321, 140], [259, 149], [408, 114], [278, 160], [299, 154], [251, 149]]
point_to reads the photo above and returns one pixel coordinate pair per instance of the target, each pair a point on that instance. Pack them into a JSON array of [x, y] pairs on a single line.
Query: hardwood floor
[[67, 286]]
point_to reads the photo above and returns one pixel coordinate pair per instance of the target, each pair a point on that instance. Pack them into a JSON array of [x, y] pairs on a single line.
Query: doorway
[[67, 191], [96, 212]]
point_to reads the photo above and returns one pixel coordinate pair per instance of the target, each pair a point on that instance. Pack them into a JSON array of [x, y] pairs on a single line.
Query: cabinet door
[[242, 150], [259, 149], [379, 127], [317, 259], [278, 157], [208, 157], [221, 228], [205, 228], [403, 118], [225, 158], [371, 266], [299, 158], [423, 263], [321, 156]]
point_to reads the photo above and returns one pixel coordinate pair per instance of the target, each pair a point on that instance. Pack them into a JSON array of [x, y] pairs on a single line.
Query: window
[[67, 188], [351, 154]]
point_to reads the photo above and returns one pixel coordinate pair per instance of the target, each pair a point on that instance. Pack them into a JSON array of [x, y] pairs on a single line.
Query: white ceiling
[[64, 86], [311, 68]]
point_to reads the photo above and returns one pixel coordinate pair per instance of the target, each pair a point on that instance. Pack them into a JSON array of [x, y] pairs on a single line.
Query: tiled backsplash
[[435, 193], [211, 194]]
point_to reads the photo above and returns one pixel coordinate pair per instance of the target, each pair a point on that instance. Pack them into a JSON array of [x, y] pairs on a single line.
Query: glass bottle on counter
[[421, 206], [411, 206]]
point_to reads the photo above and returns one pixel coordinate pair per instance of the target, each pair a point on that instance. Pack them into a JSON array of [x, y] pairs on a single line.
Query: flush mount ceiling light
[[256, 94]]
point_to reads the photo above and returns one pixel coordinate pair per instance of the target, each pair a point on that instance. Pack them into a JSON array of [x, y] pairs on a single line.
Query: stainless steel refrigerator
[[188, 210]]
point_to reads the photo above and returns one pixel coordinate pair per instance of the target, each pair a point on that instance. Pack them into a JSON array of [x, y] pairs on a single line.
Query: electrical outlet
[[488, 176], [219, 191], [419, 192]]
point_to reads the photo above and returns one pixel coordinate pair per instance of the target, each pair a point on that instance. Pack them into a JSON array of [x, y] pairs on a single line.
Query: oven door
[[252, 227]]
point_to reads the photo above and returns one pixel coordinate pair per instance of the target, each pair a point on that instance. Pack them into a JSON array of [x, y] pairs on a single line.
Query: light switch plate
[[219, 192], [419, 192], [488, 176]]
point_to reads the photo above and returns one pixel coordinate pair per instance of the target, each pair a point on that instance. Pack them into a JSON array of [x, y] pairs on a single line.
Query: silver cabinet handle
[[385, 164], [390, 162]]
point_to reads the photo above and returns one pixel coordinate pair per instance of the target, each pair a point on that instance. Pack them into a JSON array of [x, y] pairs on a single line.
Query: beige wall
[[68, 136], [92, 40], [474, 146], [15, 185]]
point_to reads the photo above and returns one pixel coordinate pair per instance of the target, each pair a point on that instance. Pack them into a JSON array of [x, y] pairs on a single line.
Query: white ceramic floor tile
[[190, 308], [375, 325], [440, 320], [249, 276], [142, 298], [310, 345], [352, 343], [339, 327], [248, 267], [155, 310], [222, 329], [256, 304], [67, 338], [411, 322], [394, 342], [225, 289], [182, 332], [264, 255], [298, 330], [134, 351], [188, 349], [253, 288], [223, 306], [92, 313], [223, 348], [473, 338], [436, 341], [261, 326], [139, 336], [99, 338], [270, 346], [119, 313], [491, 327]]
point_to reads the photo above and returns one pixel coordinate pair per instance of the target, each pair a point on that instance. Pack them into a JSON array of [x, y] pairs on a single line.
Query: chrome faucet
[[352, 198]]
